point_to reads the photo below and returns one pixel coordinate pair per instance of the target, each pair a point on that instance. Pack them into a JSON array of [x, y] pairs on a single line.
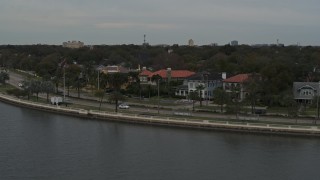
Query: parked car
[[124, 106]]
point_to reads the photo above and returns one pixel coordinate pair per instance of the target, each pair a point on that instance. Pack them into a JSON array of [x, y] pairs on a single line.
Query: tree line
[[278, 66]]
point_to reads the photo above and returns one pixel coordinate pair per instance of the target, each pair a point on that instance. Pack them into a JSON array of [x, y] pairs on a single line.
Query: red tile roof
[[240, 78], [174, 73], [145, 73]]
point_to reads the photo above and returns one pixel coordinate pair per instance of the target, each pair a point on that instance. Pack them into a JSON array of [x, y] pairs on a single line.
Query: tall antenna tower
[[144, 41]]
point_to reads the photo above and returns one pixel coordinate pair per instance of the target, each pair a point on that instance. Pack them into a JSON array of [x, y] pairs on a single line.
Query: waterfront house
[[236, 85], [144, 76], [167, 75], [114, 69], [305, 92], [210, 81]]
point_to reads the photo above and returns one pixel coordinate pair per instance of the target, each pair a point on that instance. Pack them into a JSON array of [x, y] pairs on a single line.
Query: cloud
[[210, 20], [125, 25]]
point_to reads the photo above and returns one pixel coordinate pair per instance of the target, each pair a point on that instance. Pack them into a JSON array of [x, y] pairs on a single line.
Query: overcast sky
[[163, 21]]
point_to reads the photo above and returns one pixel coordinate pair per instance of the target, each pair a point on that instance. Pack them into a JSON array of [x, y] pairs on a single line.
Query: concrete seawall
[[174, 122]]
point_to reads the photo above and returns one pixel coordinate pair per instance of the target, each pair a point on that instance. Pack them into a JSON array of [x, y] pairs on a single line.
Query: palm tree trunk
[[116, 105], [192, 105], [57, 88], [101, 102]]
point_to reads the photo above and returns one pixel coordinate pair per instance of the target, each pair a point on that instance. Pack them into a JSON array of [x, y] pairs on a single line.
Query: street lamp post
[[64, 83], [318, 93], [206, 75], [98, 79], [158, 94], [207, 84], [79, 77]]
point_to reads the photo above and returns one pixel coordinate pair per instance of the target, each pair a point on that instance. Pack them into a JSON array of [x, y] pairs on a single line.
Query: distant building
[[234, 43], [191, 42], [73, 44]]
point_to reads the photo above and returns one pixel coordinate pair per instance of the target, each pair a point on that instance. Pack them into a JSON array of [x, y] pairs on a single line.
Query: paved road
[[15, 79], [88, 99]]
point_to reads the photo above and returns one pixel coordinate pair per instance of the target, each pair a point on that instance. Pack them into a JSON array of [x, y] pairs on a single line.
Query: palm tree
[[200, 88], [35, 86], [116, 96], [157, 78], [193, 96], [115, 81], [100, 95], [220, 97], [27, 87], [134, 76], [253, 87], [149, 90], [4, 77], [47, 87]]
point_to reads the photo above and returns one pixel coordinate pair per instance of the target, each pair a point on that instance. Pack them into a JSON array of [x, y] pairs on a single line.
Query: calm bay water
[[39, 145]]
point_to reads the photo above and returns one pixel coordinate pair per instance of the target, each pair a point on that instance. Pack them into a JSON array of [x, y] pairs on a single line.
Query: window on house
[[307, 92]]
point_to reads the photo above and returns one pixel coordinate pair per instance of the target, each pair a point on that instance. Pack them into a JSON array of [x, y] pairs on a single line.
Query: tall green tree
[[36, 88], [287, 100], [100, 94], [220, 97], [115, 81], [47, 67], [72, 74], [253, 87], [194, 96], [135, 82], [4, 76], [47, 87], [277, 77], [27, 87], [157, 78], [199, 89]]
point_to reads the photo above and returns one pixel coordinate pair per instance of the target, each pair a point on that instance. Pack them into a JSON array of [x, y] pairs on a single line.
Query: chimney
[[224, 75]]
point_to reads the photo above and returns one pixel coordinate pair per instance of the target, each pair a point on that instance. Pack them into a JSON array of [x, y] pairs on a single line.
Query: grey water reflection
[[39, 145]]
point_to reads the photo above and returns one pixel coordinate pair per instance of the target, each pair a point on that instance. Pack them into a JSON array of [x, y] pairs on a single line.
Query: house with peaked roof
[[210, 81], [236, 84], [305, 92], [173, 75], [144, 76], [114, 69], [166, 75]]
